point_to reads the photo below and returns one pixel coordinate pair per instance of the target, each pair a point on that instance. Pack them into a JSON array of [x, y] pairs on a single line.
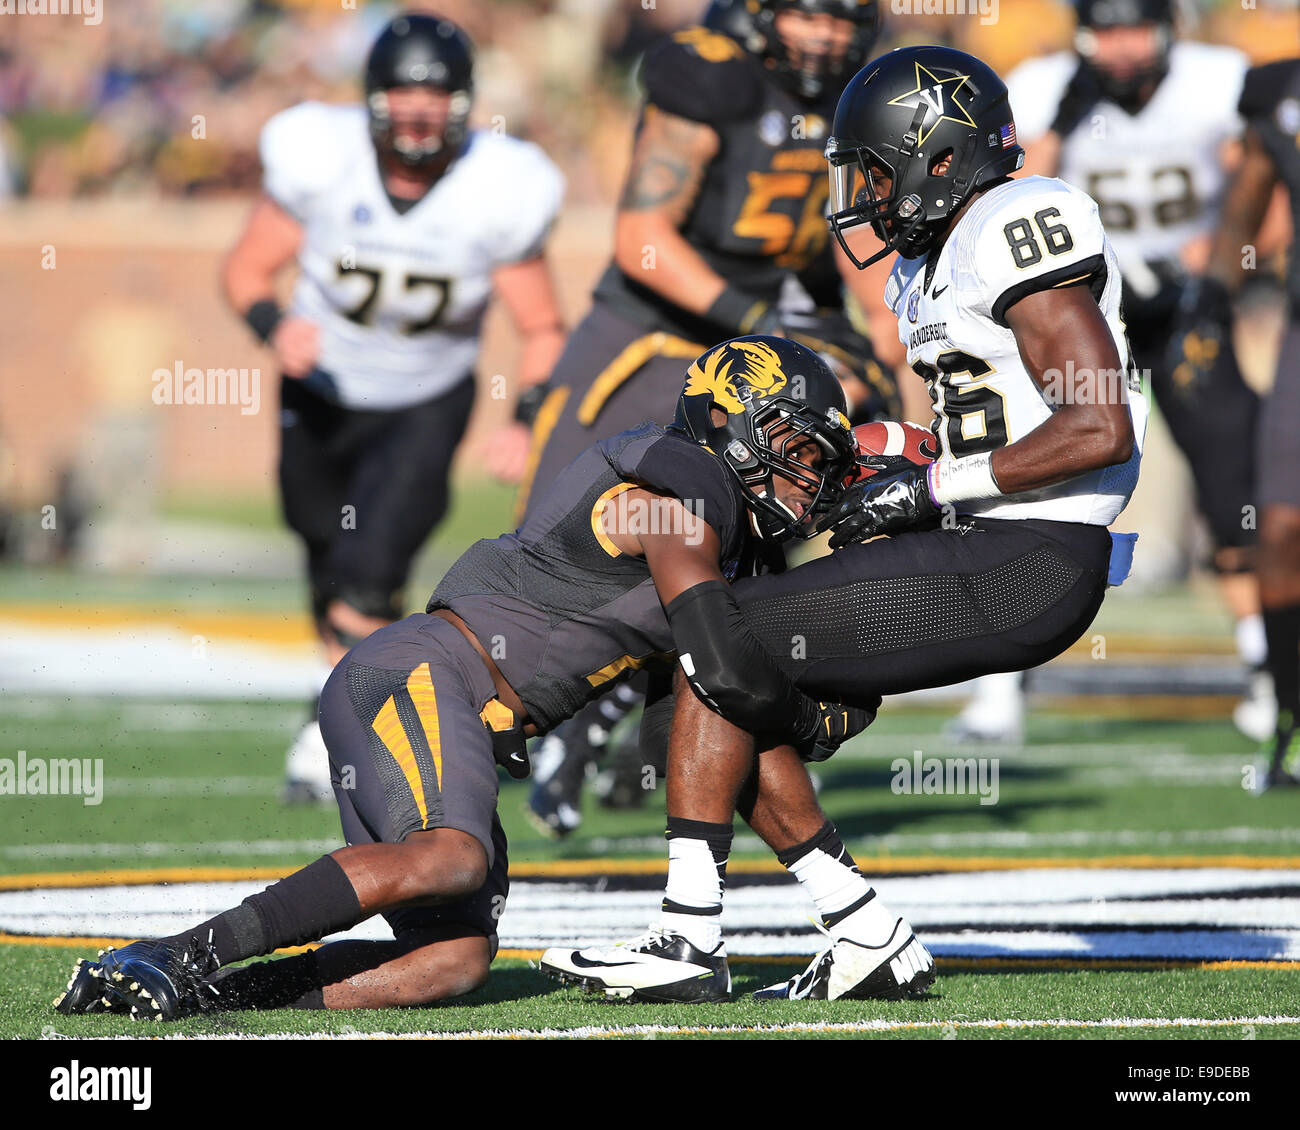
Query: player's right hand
[[505, 452], [895, 498], [296, 342], [835, 724]]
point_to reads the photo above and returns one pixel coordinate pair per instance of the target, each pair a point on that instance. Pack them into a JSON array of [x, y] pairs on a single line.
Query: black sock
[[288, 982], [302, 907], [1282, 630]]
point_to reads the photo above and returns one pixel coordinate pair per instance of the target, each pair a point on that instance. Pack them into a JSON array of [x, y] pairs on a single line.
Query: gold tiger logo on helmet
[[759, 375]]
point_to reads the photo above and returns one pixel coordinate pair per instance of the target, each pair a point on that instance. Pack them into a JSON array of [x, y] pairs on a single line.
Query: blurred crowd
[[167, 97]]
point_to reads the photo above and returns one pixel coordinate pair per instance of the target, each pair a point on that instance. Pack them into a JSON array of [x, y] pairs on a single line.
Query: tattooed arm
[[668, 166]]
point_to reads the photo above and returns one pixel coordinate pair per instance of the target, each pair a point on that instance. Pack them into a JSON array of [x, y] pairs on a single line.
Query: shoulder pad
[[667, 461], [1264, 87], [304, 148], [702, 75], [1035, 233], [517, 225]]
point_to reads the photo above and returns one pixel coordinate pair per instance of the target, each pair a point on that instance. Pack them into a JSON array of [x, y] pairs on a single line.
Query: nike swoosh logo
[[587, 963], [938, 290]]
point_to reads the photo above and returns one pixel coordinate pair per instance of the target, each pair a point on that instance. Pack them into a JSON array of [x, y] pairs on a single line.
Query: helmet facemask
[[909, 218], [421, 153], [809, 74], [775, 430], [1129, 90]]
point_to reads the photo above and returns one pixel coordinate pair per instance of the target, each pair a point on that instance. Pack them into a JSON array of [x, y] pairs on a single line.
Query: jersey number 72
[[363, 312]]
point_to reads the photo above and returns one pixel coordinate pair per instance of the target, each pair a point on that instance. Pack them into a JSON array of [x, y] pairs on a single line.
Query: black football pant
[[365, 489], [1213, 422], [928, 608]]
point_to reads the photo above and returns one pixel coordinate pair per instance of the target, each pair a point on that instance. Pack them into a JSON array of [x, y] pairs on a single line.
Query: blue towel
[[1121, 558]]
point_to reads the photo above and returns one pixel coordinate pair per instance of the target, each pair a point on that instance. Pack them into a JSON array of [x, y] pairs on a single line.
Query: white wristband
[[955, 480]]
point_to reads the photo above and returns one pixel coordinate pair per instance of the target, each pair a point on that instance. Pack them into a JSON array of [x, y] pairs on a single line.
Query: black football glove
[[510, 750], [1081, 94], [1202, 335], [768, 322], [530, 403], [828, 725], [882, 504]]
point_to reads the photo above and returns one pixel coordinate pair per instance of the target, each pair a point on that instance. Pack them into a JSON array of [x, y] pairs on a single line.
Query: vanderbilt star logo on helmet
[[715, 374], [940, 105]]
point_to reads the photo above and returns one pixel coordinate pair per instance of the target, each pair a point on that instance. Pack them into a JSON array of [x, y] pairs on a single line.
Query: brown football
[[892, 437]]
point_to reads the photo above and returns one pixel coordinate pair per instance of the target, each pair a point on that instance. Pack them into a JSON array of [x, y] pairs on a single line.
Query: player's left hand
[[889, 501], [1202, 336], [838, 723], [506, 452]]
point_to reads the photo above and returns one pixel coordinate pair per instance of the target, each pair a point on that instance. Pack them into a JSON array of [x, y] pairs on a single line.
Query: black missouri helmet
[[736, 19], [752, 23], [419, 50], [777, 395], [901, 114]]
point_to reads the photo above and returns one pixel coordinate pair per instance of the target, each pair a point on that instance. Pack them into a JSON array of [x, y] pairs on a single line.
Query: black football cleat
[[1284, 764], [160, 981], [656, 967], [89, 991]]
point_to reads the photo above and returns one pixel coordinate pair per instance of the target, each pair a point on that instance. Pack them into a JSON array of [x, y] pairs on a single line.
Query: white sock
[[692, 903], [1251, 644], [845, 900]]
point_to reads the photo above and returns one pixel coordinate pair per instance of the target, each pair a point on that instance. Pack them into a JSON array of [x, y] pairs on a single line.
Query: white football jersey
[[1157, 175], [1027, 235], [399, 298]]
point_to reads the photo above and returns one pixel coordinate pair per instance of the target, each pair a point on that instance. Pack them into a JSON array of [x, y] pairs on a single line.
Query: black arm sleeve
[[730, 670]]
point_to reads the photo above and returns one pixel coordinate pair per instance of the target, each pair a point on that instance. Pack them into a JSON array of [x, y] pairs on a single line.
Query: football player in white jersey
[[1144, 123], [1007, 295], [403, 222]]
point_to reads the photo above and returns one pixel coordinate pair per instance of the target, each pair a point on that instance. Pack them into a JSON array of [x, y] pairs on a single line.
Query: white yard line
[[151, 850], [650, 1031]]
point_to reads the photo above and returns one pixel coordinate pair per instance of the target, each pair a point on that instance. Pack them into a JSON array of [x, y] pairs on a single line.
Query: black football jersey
[[761, 209], [563, 612], [1270, 104]]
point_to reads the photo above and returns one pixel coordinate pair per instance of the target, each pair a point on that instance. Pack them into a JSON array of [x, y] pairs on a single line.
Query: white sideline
[[650, 1031]]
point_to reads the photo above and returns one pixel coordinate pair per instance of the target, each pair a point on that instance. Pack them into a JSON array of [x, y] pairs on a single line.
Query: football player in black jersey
[[1270, 105], [723, 206], [624, 561], [998, 554], [724, 201]]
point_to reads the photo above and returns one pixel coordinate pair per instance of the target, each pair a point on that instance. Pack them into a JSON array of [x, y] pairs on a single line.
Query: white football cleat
[[657, 967], [307, 769], [995, 712], [849, 970], [1256, 714]]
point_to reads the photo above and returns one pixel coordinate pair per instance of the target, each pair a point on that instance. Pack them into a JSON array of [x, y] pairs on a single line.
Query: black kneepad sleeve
[[729, 669]]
